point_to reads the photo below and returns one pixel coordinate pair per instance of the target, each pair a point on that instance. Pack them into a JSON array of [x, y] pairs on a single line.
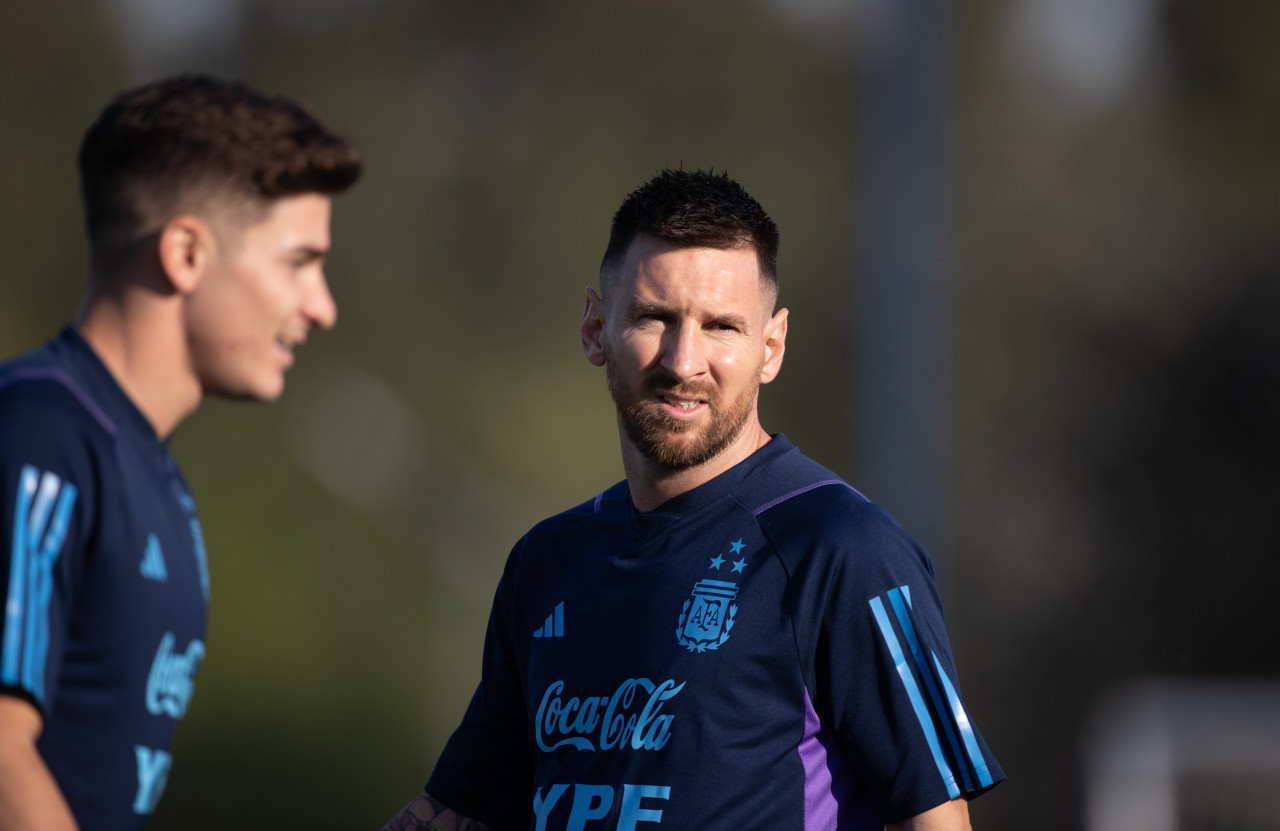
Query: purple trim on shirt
[[805, 489], [599, 499], [820, 805], [54, 374]]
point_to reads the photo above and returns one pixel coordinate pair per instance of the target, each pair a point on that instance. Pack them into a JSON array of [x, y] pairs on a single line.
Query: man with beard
[[731, 637]]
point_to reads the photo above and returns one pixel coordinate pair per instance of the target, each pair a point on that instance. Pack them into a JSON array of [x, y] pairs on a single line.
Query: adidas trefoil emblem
[[152, 566]]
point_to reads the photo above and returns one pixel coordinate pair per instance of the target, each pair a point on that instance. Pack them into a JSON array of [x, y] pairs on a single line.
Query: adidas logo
[[152, 566], [553, 627]]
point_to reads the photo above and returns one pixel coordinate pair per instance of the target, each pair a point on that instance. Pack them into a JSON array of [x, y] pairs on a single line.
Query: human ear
[[184, 246], [593, 315], [775, 345]]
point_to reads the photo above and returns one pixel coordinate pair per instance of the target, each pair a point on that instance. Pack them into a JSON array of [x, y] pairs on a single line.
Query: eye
[[305, 258]]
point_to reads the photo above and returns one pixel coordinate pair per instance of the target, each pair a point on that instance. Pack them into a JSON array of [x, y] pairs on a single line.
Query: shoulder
[[49, 423], [603, 507], [549, 542], [45, 398], [821, 520], [831, 510], [51, 380], [791, 489]]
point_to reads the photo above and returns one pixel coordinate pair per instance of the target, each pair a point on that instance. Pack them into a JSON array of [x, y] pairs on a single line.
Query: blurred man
[[207, 207], [732, 637]]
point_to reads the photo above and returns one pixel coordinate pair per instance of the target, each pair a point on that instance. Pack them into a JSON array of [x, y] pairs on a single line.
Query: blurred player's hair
[[201, 145], [693, 209]]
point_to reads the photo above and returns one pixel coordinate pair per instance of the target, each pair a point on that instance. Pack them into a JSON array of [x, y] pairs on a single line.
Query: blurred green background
[[1110, 453]]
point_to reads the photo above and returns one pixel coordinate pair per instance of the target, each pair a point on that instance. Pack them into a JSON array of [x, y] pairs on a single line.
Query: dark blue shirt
[[103, 571], [765, 651]]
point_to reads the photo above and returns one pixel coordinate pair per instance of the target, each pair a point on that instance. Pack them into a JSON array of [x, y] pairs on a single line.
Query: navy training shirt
[[764, 651], [104, 577]]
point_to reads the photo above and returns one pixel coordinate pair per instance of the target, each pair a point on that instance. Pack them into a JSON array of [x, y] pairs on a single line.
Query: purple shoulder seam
[[55, 374], [805, 489]]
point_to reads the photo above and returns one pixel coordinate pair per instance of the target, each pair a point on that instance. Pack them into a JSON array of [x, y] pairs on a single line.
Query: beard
[[671, 443]]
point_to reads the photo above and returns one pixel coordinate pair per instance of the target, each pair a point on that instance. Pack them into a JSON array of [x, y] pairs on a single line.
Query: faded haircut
[[693, 209], [198, 144]]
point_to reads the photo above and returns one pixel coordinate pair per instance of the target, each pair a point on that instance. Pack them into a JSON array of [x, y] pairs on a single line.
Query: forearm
[[427, 814]]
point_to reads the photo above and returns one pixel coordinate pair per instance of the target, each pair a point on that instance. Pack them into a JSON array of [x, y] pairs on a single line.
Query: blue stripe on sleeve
[[922, 665], [913, 693], [15, 603], [37, 575], [976, 758], [53, 541], [41, 520]]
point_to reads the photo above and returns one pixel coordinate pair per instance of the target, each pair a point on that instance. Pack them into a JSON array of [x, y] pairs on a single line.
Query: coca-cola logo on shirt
[[173, 677], [630, 717]]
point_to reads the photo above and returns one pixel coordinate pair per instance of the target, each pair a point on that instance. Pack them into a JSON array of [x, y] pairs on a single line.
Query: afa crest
[[707, 616]]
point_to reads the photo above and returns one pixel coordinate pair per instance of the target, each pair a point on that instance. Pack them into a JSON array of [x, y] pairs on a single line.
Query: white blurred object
[[1091, 53], [164, 36], [356, 436], [1162, 753]]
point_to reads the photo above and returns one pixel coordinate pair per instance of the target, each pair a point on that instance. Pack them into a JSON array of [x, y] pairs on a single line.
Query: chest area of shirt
[[620, 643], [145, 583]]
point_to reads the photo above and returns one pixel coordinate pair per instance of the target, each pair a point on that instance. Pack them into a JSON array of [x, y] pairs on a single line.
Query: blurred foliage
[[1113, 454]]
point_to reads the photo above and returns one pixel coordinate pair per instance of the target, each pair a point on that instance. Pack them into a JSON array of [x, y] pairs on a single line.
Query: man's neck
[[138, 337], [651, 485]]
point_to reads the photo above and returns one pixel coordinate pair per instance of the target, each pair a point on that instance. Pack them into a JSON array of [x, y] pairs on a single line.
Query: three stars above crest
[[738, 565]]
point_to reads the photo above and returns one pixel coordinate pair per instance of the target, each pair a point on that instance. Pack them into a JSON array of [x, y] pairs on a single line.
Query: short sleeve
[[871, 630], [46, 494], [486, 769]]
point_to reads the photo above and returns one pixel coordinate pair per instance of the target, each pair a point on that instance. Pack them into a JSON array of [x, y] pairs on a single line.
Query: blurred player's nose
[[318, 303]]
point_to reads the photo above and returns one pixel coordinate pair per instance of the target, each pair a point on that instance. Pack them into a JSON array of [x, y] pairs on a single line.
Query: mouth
[[680, 405], [286, 348]]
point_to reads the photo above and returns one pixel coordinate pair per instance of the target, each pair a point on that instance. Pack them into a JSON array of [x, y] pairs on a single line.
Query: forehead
[[657, 272]]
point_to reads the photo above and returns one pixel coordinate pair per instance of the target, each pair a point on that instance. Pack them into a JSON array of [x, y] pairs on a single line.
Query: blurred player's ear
[[593, 328], [185, 248]]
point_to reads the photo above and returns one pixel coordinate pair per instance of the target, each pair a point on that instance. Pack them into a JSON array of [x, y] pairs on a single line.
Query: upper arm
[[901, 693], [20, 721], [949, 816], [880, 670], [29, 797], [46, 472]]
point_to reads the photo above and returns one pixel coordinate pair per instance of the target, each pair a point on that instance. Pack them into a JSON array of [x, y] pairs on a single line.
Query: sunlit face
[[688, 339], [262, 292]]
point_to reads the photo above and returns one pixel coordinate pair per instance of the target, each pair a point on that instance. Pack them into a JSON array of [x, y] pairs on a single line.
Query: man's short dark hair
[[694, 209], [181, 143]]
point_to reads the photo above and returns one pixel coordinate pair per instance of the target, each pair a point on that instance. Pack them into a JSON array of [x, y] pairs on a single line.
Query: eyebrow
[[310, 252], [639, 308]]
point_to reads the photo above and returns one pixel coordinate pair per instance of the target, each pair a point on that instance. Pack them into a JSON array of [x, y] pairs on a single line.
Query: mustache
[[662, 380]]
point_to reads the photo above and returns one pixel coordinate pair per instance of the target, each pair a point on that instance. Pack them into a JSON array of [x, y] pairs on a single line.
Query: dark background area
[[1109, 446]]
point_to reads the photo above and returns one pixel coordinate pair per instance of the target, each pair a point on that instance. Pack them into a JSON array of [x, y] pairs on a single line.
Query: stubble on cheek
[[675, 444]]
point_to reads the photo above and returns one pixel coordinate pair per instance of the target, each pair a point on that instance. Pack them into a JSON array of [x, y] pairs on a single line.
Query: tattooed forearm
[[427, 814]]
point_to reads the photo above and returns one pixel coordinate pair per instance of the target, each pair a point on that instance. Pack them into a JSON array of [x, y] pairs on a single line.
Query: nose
[[318, 305], [684, 354]]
